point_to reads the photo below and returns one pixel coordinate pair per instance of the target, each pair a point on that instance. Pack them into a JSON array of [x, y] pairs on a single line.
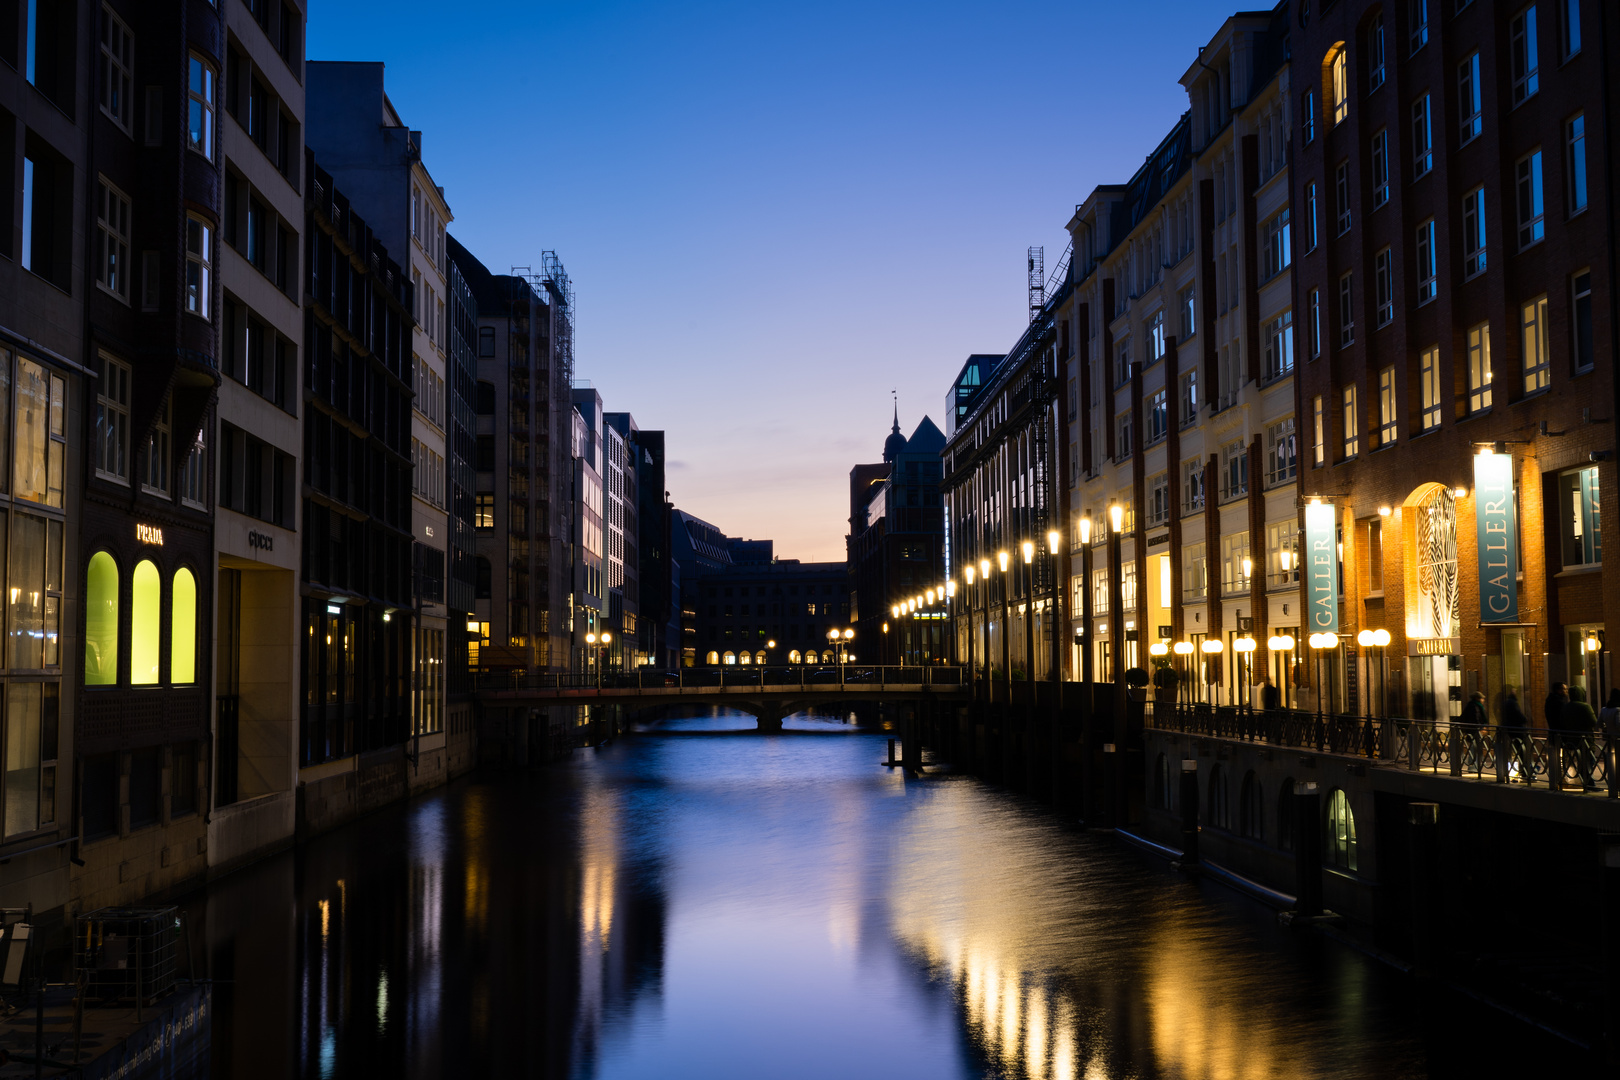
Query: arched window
[[759, 657], [1341, 831], [145, 624], [810, 657], [745, 657], [183, 628], [1285, 815], [712, 658], [729, 658], [1338, 88], [101, 621], [794, 657], [1251, 803], [1219, 814]]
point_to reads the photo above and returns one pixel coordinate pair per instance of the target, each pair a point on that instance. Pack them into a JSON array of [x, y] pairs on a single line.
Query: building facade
[[697, 548], [773, 611], [647, 544], [1454, 256], [257, 434]]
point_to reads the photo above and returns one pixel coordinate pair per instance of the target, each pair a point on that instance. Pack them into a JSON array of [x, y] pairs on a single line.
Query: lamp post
[[1085, 599], [984, 602], [1116, 600], [1029, 610], [1213, 647], [1320, 644], [599, 644], [1244, 647], [1054, 541], [968, 573], [1006, 617], [1183, 649], [1594, 648], [950, 600], [1283, 646], [1158, 650]]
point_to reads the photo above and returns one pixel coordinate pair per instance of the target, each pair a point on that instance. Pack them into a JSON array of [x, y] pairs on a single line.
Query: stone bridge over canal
[[769, 694]]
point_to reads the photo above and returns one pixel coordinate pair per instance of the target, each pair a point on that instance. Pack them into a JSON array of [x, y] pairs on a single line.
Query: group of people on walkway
[[1567, 712]]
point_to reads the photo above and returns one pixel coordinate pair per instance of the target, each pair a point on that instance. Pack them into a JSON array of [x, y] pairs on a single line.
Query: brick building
[[1454, 262]]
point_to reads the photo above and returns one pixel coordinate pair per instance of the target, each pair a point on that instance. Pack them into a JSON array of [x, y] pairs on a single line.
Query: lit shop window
[[145, 624], [101, 621], [183, 629]]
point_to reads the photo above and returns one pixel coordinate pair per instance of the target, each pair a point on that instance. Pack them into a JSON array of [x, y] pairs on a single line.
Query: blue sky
[[776, 214]]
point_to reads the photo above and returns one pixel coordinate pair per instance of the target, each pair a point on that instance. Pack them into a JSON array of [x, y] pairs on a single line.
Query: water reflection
[[704, 902]]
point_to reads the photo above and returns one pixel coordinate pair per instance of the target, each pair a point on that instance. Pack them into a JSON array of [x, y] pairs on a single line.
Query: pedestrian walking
[[1517, 726], [1581, 722]]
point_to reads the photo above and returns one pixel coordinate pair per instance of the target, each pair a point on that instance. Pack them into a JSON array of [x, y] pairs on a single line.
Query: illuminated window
[[32, 710], [1479, 367], [1318, 431], [101, 621], [1429, 383], [41, 427], [1535, 350], [1341, 831], [1282, 453], [1352, 423], [183, 629], [484, 510], [1581, 523], [1386, 407], [1339, 89], [145, 624]]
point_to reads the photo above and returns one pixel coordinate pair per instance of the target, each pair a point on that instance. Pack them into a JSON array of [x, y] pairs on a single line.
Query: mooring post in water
[[1307, 848], [1189, 812], [1609, 920], [1423, 845], [1108, 809]]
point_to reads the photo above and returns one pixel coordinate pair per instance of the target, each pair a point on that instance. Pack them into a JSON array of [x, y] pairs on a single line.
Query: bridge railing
[[1556, 760], [648, 680]]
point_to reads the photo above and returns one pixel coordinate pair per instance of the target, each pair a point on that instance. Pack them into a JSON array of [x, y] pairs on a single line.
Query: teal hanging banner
[[1322, 568], [1498, 538]]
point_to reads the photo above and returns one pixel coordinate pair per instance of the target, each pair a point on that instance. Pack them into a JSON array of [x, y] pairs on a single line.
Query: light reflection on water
[[704, 901]]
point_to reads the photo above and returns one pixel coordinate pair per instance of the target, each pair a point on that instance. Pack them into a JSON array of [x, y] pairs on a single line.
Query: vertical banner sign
[[1322, 568], [1498, 538]]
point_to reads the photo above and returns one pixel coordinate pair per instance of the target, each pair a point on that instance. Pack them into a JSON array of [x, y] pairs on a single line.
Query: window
[[1479, 368], [1341, 832], [112, 420], [1422, 137], [1194, 572], [1571, 27], [1347, 310], [1282, 452], [1099, 592], [1427, 264], [1580, 321], [1277, 245], [41, 429], [484, 510], [1279, 339], [51, 44], [1470, 101], [47, 213], [34, 608], [1282, 539], [156, 477], [117, 67], [1531, 211], [1575, 163], [1310, 216], [1158, 499], [1316, 323], [1127, 587], [1236, 565], [1429, 387], [1375, 53], [145, 624], [1380, 167], [1122, 364], [200, 118], [1341, 193], [1352, 424], [1318, 431], [183, 628], [1582, 526], [1341, 86], [194, 473], [1155, 337], [1122, 436], [1189, 394], [1473, 216], [112, 240], [1387, 429], [1526, 66], [1157, 412], [1533, 334], [1419, 24], [101, 621], [1375, 556], [1234, 470], [199, 266], [1188, 326], [1192, 485], [1307, 112], [31, 746], [1384, 286]]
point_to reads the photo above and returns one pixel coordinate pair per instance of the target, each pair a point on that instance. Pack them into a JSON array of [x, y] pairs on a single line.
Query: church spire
[[896, 442], [896, 394]]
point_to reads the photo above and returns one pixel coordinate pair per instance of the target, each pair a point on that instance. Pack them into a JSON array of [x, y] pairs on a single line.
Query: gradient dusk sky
[[776, 214]]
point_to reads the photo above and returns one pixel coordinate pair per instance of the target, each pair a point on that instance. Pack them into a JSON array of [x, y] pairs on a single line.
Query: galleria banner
[[1498, 538], [1322, 568]]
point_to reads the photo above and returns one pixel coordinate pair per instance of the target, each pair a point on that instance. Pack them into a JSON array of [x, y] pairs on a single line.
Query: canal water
[[698, 900]]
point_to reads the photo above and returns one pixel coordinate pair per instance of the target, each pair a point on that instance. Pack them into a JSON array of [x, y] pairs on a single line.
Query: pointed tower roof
[[896, 442]]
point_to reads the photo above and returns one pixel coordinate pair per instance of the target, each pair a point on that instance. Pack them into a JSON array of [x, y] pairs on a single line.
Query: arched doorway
[[1434, 604]]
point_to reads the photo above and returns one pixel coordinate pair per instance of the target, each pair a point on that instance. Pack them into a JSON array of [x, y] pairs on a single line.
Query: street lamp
[[599, 644], [1283, 645], [1183, 649], [1085, 598], [1321, 643], [1213, 647], [1029, 552], [984, 602], [1244, 647]]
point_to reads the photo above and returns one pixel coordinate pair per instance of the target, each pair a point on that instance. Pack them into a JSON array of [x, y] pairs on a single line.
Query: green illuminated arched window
[[145, 624], [101, 621], [183, 629]]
